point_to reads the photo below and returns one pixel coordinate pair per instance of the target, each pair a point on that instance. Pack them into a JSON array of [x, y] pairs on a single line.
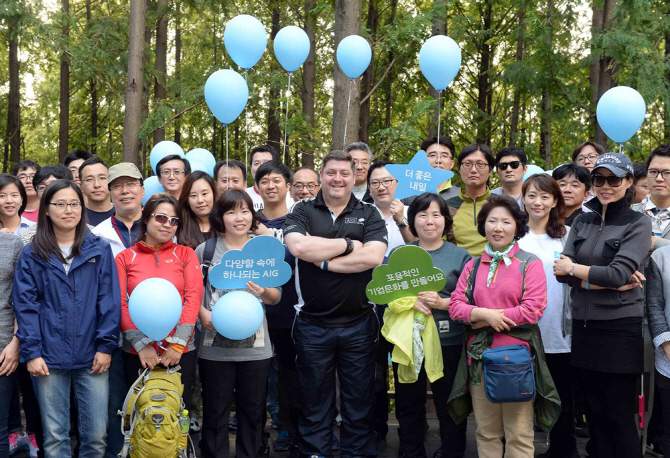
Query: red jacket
[[177, 264]]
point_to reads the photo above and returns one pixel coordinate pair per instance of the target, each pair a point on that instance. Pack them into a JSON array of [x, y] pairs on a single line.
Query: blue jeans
[[91, 394], [7, 384]]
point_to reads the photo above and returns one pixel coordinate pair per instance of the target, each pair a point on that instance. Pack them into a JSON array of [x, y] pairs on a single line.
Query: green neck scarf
[[496, 257]]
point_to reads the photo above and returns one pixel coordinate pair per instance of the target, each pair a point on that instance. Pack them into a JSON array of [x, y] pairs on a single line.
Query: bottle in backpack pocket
[[184, 422]]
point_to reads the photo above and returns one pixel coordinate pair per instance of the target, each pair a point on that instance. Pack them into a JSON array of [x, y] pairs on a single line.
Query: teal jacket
[[547, 402]]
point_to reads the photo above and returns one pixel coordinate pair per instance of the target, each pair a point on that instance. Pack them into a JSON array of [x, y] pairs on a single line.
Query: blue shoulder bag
[[509, 372]]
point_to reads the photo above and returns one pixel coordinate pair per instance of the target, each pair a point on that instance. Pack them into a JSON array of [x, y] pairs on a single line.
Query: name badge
[[557, 255]]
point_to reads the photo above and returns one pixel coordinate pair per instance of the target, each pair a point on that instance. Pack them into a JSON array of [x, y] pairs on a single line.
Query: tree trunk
[[160, 62], [483, 80], [177, 62], [308, 78], [594, 68], [666, 131], [545, 135], [607, 68], [274, 111], [347, 22], [13, 138], [516, 104], [215, 44], [64, 117], [94, 94], [133, 113], [439, 28], [368, 77], [148, 32]]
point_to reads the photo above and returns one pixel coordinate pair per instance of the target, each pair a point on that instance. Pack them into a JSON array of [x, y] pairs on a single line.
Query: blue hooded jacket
[[67, 318]]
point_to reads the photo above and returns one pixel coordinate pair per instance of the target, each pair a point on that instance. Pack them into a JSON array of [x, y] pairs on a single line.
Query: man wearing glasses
[[172, 172], [475, 165], [657, 204], [25, 171], [586, 154], [93, 173], [122, 228], [362, 155], [511, 166], [382, 189], [305, 184]]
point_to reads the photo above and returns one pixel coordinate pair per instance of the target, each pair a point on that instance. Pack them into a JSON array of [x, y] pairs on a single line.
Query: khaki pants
[[511, 420]]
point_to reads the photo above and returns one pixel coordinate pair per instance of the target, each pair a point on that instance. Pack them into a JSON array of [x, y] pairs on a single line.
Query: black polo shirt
[[333, 299]]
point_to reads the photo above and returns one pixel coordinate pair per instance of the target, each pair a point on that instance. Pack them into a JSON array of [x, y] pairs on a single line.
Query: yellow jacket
[[398, 329]]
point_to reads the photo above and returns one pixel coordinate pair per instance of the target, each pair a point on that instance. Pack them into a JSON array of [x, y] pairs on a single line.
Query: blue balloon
[[440, 60], [204, 157], [621, 112], [245, 40], [354, 55], [532, 169], [291, 47], [237, 315], [155, 307], [151, 187], [197, 166], [162, 149], [226, 94]]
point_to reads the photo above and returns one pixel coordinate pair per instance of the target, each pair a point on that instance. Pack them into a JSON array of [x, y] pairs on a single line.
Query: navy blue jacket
[[67, 318]]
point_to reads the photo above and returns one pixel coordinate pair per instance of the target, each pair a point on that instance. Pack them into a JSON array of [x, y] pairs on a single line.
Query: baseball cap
[[617, 163], [124, 169]]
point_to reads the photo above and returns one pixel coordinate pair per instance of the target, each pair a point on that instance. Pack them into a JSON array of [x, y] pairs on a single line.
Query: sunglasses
[[514, 164], [599, 180], [162, 219]]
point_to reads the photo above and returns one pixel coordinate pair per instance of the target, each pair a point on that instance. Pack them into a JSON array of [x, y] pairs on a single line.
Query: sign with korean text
[[417, 177], [409, 271], [260, 261]]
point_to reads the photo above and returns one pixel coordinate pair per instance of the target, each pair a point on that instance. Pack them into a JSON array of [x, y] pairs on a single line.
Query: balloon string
[[621, 147], [227, 168], [439, 113], [246, 131], [344, 142], [288, 98]]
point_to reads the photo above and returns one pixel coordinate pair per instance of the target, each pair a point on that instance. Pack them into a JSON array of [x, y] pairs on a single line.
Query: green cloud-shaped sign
[[409, 271]]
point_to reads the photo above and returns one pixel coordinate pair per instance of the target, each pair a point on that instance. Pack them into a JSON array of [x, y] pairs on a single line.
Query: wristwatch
[[403, 223], [572, 271], [350, 246]]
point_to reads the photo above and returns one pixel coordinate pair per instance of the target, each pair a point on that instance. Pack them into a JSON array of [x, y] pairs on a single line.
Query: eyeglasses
[[40, 187], [130, 185], [615, 182], [162, 219], [311, 186], [503, 165], [478, 165], [652, 173], [26, 177], [175, 173], [387, 183], [591, 158], [91, 180], [64, 205]]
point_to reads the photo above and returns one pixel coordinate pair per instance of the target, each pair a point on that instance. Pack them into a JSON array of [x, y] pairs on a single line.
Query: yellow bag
[[151, 414]]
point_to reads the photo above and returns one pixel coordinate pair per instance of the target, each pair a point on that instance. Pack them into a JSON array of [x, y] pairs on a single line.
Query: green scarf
[[496, 257]]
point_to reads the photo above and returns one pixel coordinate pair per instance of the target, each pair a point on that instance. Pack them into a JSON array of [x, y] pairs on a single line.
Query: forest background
[[532, 74]]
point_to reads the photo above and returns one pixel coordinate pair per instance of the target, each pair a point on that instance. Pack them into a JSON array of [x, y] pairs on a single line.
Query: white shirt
[[551, 323], [360, 191], [394, 236], [258, 200]]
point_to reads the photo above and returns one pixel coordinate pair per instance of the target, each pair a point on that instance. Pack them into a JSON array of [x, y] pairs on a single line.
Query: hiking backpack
[[150, 420]]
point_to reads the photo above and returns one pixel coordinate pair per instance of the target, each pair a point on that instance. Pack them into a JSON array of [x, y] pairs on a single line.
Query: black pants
[[663, 395], [612, 399], [562, 436], [410, 404], [351, 351], [132, 367], [381, 409], [287, 381], [221, 380]]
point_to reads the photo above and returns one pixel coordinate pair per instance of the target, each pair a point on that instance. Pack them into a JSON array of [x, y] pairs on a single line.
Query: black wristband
[[350, 246]]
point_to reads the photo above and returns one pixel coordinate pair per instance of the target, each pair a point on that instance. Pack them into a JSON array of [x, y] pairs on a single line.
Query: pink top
[[523, 302], [31, 215]]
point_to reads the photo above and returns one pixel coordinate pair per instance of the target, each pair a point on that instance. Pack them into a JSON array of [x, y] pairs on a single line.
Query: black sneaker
[[581, 427], [264, 450], [654, 450]]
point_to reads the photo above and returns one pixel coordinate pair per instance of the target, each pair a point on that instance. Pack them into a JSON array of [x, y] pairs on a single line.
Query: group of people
[[567, 265]]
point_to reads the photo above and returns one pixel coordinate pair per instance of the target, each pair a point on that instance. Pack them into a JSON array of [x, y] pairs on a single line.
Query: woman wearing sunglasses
[[155, 255], [230, 368], [66, 300], [600, 260]]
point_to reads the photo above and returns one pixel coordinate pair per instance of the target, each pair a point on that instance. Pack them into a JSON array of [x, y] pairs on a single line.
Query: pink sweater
[[523, 302]]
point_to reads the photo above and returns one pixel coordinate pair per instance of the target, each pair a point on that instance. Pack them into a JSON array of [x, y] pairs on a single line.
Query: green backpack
[[150, 417]]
